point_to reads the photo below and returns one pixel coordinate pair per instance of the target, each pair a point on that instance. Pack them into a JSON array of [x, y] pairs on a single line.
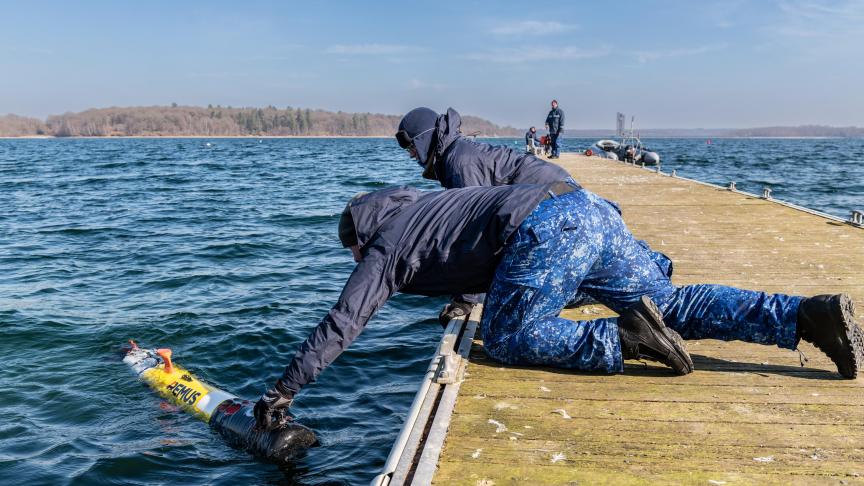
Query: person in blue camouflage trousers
[[532, 248], [578, 242]]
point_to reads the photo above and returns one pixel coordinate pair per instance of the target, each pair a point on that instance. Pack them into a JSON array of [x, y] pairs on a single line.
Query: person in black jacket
[[436, 143], [534, 247], [555, 125]]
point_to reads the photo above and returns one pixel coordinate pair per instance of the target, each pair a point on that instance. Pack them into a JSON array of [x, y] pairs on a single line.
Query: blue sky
[[684, 64]]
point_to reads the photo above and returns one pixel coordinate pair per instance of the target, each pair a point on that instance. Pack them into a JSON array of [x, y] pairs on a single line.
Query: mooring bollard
[[673, 174], [857, 218], [732, 186], [766, 193]]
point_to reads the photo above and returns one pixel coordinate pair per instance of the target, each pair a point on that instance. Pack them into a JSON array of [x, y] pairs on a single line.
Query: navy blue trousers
[[578, 243], [556, 144]]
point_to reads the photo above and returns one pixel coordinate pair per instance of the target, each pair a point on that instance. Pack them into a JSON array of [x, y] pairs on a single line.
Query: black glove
[[271, 410], [454, 310]]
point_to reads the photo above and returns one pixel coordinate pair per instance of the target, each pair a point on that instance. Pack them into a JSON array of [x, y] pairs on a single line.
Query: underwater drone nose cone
[[289, 442], [165, 354]]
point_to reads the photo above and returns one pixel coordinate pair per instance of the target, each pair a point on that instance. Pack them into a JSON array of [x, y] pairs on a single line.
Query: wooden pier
[[749, 414]]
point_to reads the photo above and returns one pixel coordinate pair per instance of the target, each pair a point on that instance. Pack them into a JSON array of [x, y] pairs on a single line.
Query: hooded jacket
[[555, 120], [425, 243], [459, 162]]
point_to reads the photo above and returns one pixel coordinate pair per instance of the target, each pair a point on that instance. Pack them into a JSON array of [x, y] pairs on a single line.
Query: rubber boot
[[644, 336], [827, 321]]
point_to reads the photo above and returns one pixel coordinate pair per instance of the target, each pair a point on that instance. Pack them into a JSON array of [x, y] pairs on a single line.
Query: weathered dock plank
[[749, 415]]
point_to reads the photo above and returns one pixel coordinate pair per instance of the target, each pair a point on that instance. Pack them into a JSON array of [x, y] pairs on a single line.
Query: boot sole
[[854, 341], [678, 359]]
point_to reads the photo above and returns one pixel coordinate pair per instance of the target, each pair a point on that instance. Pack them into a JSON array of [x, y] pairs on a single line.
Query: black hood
[[371, 211], [431, 138], [448, 128], [419, 124]]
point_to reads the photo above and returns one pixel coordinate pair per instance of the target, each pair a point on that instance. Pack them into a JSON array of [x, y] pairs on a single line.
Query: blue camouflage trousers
[[578, 243]]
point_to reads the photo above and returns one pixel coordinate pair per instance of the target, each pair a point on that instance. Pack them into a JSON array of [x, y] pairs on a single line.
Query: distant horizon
[[671, 63], [496, 122]]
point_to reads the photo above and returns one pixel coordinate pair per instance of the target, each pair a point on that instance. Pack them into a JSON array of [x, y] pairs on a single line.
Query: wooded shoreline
[[219, 121]]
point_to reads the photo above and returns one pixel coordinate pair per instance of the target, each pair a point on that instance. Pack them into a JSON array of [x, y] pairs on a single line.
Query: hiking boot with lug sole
[[828, 322], [644, 336]]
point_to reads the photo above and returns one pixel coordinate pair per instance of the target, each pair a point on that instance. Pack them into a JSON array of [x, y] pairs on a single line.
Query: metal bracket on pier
[[451, 362], [732, 186], [673, 174], [766, 193], [658, 167], [414, 456], [857, 218]]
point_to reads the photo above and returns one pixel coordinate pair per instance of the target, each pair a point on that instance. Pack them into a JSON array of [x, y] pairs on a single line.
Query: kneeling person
[[533, 247]]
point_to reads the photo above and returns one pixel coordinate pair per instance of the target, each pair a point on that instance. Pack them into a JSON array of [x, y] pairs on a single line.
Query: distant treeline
[[220, 121], [214, 121]]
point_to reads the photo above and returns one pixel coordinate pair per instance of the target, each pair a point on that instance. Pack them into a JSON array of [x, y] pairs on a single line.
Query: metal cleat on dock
[[857, 218], [766, 193], [732, 186]]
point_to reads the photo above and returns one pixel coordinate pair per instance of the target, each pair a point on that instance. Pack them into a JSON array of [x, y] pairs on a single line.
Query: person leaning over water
[[534, 247], [436, 143]]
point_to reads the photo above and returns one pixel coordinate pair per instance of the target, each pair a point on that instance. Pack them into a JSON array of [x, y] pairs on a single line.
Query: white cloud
[[817, 29], [370, 49], [532, 27], [423, 85], [648, 56], [519, 56], [819, 19], [26, 50]]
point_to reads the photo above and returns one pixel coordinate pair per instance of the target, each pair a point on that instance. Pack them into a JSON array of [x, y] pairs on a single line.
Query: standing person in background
[[555, 125]]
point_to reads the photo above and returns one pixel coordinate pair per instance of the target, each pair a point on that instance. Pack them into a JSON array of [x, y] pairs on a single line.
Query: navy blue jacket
[[426, 243], [555, 120], [459, 162], [529, 136]]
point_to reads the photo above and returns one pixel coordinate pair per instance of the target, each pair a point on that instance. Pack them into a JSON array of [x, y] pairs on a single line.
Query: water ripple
[[228, 254]]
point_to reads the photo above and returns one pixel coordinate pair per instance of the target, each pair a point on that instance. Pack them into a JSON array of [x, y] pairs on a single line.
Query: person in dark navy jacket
[[555, 125], [436, 143], [534, 247]]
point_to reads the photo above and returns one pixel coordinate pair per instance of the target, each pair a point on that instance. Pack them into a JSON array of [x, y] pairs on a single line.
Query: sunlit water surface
[[226, 251]]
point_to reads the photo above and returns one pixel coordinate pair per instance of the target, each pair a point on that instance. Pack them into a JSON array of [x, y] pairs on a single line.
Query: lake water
[[226, 251]]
